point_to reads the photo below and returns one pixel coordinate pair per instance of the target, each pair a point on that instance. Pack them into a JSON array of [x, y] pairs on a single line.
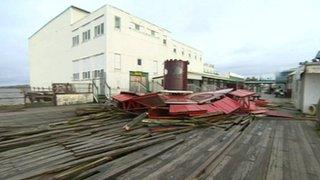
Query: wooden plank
[[112, 174], [192, 139], [187, 156], [312, 164], [275, 168], [296, 163]]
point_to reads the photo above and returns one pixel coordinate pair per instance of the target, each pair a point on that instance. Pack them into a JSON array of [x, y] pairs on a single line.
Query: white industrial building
[[78, 46]]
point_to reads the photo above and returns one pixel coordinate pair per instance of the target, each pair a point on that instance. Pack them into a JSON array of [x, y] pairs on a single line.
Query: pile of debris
[[186, 105]]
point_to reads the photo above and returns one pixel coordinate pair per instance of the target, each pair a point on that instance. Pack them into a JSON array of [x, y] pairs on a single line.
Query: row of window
[[89, 75], [137, 27], [189, 55], [98, 31]]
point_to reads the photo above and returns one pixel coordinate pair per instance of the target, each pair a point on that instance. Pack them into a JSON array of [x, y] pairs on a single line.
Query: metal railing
[[194, 88], [208, 87], [137, 86], [102, 89], [156, 86], [108, 90], [95, 91], [40, 89]]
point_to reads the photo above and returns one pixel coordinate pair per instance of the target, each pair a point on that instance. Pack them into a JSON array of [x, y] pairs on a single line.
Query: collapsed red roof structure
[[181, 104]]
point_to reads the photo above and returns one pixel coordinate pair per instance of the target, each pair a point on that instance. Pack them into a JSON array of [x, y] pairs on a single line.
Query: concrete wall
[[67, 99]]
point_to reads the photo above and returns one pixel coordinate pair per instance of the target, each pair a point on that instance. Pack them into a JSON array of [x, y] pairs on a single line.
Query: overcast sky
[[248, 37]]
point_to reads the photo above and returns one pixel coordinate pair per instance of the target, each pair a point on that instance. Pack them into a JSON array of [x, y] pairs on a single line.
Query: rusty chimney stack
[[175, 75]]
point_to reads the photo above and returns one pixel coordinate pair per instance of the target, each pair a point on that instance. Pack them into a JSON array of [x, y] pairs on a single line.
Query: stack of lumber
[[72, 147]]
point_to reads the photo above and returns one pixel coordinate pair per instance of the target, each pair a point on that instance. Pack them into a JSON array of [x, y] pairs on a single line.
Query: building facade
[[109, 43]]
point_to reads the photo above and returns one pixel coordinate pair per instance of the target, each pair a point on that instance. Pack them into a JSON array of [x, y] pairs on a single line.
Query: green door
[[139, 81]]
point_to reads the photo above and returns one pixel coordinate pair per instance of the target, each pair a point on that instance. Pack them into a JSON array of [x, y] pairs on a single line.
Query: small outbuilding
[[306, 86]]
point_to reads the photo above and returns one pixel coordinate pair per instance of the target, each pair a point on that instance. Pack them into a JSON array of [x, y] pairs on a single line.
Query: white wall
[[187, 53], [132, 45], [49, 52], [311, 92], [297, 93]]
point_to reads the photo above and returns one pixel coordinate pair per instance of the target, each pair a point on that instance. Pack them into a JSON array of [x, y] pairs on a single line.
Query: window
[[117, 61], [155, 67], [182, 52], [195, 56], [137, 27], [174, 50], [75, 40], [189, 55], [86, 75], [98, 30], [139, 62], [98, 73], [117, 22], [164, 41], [85, 36], [76, 76], [153, 33], [95, 73], [200, 58], [101, 73]]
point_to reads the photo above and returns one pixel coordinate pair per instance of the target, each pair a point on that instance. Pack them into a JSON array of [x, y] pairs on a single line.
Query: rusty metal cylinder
[[175, 75]]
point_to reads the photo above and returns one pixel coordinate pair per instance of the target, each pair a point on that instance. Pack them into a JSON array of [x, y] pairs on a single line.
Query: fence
[[12, 96]]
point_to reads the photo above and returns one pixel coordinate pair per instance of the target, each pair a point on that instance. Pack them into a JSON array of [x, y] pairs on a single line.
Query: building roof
[[70, 7]]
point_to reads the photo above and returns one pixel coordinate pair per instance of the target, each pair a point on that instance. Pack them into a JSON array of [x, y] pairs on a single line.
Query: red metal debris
[[210, 108], [227, 105], [243, 97], [261, 102], [125, 100], [191, 110], [278, 114], [252, 106], [159, 112], [174, 104], [150, 100], [258, 111], [203, 97], [177, 99], [124, 96], [241, 93]]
